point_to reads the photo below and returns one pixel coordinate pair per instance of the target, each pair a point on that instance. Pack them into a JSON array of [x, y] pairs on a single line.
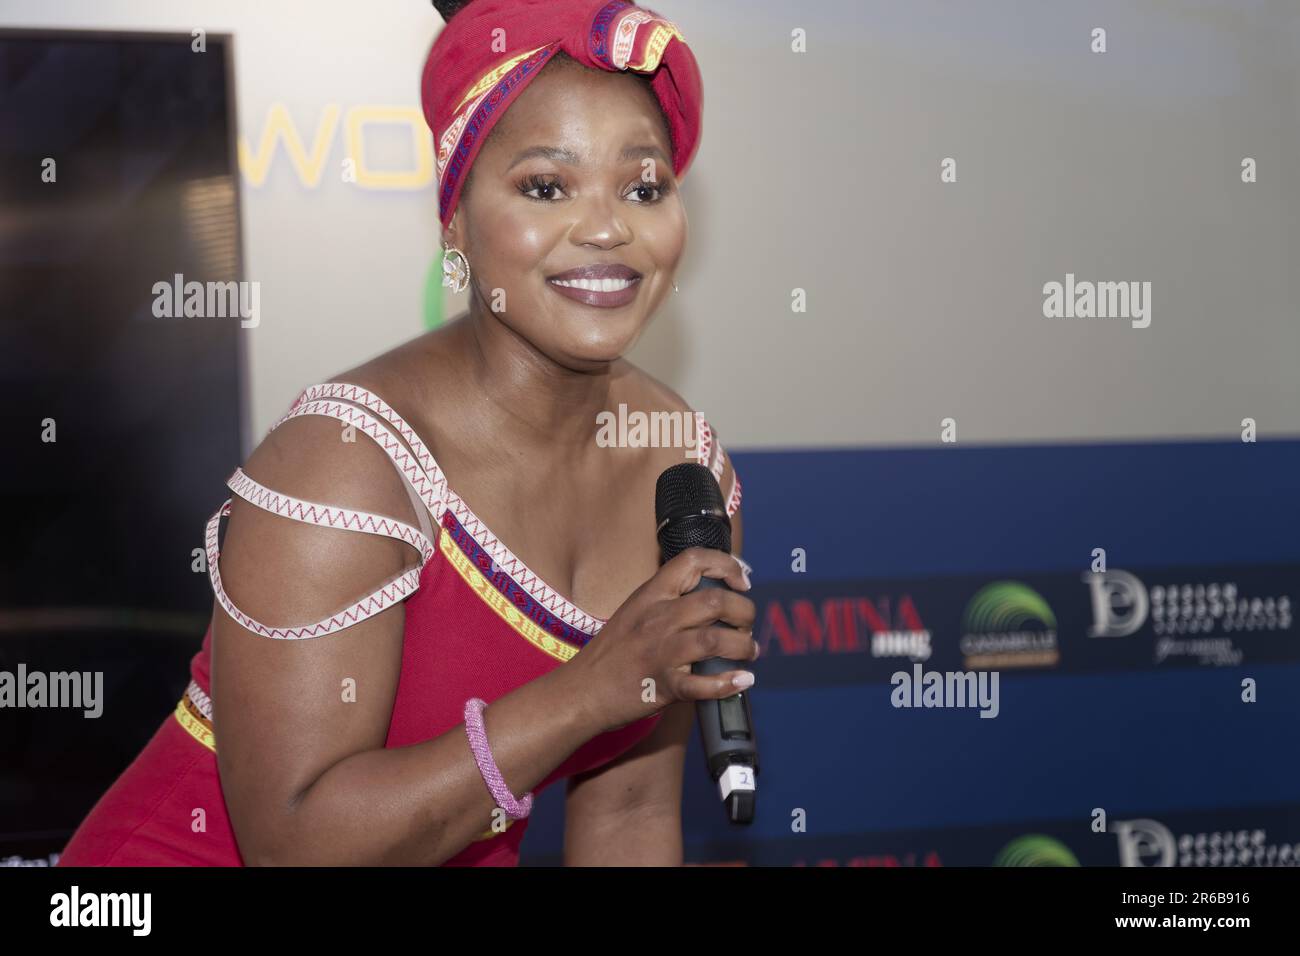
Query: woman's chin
[[590, 357], [597, 345]]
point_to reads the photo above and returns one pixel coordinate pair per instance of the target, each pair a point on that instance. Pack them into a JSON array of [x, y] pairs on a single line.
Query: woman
[[361, 738]]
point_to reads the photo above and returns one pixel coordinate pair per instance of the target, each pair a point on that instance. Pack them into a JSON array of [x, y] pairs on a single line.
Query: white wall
[[821, 171]]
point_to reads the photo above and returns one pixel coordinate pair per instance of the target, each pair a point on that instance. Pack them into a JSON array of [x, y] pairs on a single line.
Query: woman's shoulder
[[642, 392], [332, 465], [321, 451], [395, 386], [407, 375], [344, 440]]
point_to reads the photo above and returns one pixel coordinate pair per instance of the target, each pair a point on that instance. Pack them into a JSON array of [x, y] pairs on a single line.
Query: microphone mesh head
[[687, 496]]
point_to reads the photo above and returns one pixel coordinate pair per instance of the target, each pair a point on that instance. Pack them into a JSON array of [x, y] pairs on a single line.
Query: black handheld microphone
[[689, 513]]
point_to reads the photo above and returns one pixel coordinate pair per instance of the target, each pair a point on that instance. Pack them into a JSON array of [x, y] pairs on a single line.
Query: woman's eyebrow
[[641, 152], [568, 156]]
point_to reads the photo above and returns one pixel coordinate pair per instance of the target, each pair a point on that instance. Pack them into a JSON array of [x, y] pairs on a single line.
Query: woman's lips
[[595, 295]]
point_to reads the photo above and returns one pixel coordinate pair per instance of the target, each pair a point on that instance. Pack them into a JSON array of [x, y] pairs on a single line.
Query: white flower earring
[[455, 268]]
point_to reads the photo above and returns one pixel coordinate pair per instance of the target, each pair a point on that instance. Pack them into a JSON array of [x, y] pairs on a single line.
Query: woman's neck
[[529, 396]]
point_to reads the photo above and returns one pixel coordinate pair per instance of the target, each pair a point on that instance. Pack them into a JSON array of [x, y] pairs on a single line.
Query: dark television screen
[[117, 172]]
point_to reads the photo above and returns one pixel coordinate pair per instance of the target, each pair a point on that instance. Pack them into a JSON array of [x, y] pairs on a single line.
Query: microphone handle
[[727, 734]]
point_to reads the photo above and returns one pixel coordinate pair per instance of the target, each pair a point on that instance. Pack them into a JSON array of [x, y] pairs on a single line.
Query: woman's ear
[[452, 234]]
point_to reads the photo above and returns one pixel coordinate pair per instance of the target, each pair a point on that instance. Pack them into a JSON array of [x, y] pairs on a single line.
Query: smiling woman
[[579, 163], [530, 225], [398, 696]]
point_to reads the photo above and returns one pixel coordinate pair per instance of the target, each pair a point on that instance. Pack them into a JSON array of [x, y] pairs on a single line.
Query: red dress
[[509, 628]]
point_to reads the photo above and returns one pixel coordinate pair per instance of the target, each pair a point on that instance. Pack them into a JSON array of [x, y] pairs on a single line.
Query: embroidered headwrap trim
[[467, 85]]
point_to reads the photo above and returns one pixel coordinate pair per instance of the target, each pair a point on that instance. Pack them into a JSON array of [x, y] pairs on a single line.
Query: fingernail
[[744, 571], [743, 679]]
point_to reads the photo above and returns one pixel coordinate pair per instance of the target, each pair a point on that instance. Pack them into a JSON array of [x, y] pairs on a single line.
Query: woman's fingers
[[711, 686], [713, 604], [680, 575], [701, 643]]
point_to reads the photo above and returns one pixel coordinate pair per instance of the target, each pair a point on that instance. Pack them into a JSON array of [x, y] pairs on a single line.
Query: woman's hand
[[640, 662]]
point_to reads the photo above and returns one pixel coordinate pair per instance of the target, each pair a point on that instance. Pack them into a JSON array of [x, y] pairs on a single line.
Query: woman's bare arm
[[629, 812], [300, 725]]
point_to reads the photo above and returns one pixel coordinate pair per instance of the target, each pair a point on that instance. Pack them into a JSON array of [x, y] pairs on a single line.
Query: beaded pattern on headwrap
[[639, 39], [661, 31], [483, 99]]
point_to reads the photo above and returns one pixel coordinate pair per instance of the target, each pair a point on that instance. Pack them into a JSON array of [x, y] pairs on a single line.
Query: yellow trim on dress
[[195, 724], [200, 728], [489, 833], [544, 641]]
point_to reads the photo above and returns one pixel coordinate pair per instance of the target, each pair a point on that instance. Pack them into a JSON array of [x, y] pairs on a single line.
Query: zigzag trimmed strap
[[427, 479], [505, 559], [704, 440], [437, 482], [733, 500], [524, 576], [428, 490], [311, 513], [395, 590], [398, 589], [712, 455], [202, 702]]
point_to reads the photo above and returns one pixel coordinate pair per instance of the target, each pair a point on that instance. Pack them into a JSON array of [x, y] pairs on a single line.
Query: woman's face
[[578, 173]]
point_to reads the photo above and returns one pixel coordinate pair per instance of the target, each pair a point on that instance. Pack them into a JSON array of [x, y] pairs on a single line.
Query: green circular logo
[[1035, 849]]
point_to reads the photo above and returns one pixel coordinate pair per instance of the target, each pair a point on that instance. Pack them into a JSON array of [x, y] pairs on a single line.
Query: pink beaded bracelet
[[515, 809]]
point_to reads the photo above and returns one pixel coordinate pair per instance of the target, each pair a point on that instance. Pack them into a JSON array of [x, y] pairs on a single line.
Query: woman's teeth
[[596, 285]]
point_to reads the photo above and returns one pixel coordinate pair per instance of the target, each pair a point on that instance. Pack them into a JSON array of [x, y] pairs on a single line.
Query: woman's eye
[[539, 189], [545, 187], [647, 188]]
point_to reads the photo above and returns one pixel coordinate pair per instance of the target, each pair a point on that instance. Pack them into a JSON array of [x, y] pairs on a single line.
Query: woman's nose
[[601, 223]]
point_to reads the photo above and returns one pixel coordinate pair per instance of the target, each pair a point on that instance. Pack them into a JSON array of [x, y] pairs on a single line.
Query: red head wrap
[[468, 83]]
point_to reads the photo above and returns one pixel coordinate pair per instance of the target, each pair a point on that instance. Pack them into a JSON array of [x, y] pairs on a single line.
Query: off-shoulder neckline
[[547, 596]]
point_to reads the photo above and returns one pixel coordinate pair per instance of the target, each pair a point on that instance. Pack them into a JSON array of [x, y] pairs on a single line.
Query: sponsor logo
[[882, 627], [1189, 620], [1035, 849], [914, 645], [1008, 624], [50, 860], [1148, 842]]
